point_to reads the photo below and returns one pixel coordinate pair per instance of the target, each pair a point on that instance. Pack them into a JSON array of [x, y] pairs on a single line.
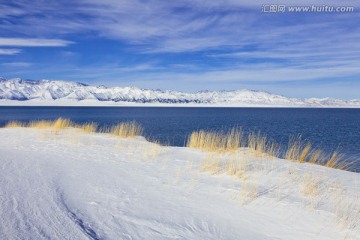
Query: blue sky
[[187, 45]]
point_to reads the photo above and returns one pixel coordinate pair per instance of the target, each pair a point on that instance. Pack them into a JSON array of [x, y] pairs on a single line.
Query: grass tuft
[[294, 148], [316, 157], [337, 161], [216, 141], [305, 153], [257, 143], [88, 127], [211, 163], [62, 123], [127, 130], [41, 124], [15, 124], [311, 185], [260, 146]]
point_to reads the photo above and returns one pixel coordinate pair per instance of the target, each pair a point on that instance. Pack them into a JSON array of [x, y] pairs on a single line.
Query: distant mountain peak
[[51, 90]]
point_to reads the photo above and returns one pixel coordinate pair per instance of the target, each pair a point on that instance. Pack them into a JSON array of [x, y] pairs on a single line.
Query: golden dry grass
[[152, 150], [347, 211], [257, 143], [334, 161], [15, 124], [59, 123], [305, 153], [88, 127], [298, 151], [212, 141], [211, 163], [249, 191], [216, 141], [302, 152], [260, 146], [232, 165], [241, 169], [203, 140], [273, 150], [127, 130], [62, 123], [315, 157], [311, 185], [294, 149], [40, 124]]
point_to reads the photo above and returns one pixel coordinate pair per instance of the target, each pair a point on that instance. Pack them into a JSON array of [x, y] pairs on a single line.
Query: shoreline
[[86, 103]]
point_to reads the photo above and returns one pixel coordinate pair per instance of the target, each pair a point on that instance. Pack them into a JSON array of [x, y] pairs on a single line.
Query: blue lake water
[[328, 129]]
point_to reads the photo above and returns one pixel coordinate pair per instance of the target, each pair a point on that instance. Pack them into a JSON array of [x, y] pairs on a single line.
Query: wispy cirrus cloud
[[33, 42], [16, 64], [190, 44], [9, 51], [168, 26]]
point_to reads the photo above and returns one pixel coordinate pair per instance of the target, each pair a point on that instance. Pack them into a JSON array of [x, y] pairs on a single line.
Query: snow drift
[[67, 184]]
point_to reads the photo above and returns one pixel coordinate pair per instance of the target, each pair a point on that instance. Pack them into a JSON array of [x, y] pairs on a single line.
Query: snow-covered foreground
[[73, 185]]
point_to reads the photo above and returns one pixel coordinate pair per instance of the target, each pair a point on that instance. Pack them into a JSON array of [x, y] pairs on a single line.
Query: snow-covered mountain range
[[47, 91]]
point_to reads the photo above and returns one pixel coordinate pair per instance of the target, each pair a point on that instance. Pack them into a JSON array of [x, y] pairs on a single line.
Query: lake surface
[[328, 129]]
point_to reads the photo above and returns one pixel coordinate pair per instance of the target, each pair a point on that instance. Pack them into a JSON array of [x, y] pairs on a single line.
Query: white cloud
[[268, 74], [251, 73], [188, 45], [174, 26], [33, 42], [9, 51], [16, 64]]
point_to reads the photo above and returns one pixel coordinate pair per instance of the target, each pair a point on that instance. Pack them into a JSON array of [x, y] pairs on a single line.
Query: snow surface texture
[[72, 185], [45, 92]]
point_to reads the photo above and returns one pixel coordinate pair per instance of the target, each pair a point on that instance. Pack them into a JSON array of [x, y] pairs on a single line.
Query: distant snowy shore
[[63, 184], [96, 103], [18, 92]]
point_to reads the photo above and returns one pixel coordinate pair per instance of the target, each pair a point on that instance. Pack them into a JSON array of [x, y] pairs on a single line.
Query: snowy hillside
[[46, 91], [72, 185]]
